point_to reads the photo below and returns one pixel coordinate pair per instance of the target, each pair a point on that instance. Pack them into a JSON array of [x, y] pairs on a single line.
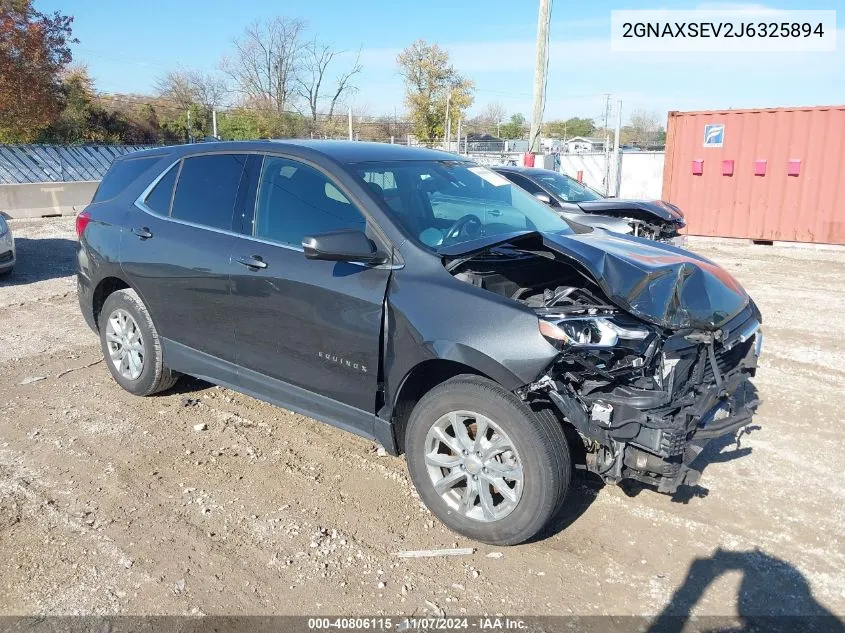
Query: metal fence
[[55, 163]]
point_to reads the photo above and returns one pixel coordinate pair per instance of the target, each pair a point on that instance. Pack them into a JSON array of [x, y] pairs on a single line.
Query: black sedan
[[652, 219]]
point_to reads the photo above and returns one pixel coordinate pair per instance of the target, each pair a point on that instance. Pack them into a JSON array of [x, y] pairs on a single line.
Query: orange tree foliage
[[34, 48]]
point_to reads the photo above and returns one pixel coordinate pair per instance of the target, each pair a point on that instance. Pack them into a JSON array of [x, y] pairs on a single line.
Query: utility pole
[[606, 120], [541, 67], [459, 135], [350, 123], [447, 137], [190, 130], [606, 144], [214, 123], [617, 153]]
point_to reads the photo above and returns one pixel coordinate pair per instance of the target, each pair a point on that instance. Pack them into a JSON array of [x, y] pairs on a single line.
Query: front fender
[[477, 360], [441, 318]]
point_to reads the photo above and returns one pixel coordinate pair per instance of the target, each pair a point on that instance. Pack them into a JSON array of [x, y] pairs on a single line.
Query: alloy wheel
[[474, 466], [125, 344]]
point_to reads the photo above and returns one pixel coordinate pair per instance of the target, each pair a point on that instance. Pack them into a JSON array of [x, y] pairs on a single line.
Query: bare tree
[[189, 87], [266, 61], [493, 115], [316, 58], [644, 128], [175, 87]]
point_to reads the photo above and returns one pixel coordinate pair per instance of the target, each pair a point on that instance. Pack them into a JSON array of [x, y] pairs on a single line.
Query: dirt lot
[[115, 504]]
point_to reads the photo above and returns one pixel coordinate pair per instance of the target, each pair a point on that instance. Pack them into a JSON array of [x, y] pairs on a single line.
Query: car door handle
[[253, 261], [143, 232], [495, 212]]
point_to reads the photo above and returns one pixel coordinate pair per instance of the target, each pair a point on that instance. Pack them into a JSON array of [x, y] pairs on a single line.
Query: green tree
[[238, 125], [568, 128], [84, 120], [72, 124], [34, 48], [517, 127], [430, 80]]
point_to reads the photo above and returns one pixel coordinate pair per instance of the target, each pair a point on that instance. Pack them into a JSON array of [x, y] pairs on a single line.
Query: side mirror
[[342, 246], [543, 197]]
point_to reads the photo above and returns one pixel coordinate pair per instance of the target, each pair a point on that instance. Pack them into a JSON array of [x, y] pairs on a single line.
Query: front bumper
[[654, 435]]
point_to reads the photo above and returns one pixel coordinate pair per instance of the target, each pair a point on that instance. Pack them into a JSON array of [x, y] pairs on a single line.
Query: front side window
[[295, 200], [442, 203], [208, 188]]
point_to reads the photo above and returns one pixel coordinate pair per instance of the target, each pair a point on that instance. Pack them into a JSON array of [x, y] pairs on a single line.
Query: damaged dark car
[[574, 201], [426, 303]]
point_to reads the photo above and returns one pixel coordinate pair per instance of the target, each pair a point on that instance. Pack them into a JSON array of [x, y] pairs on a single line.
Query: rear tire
[[502, 487], [131, 346]]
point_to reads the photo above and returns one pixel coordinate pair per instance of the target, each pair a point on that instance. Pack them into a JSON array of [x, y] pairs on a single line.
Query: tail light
[[82, 221]]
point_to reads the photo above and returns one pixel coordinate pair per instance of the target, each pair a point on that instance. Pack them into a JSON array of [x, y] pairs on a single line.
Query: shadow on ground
[[774, 597], [40, 259]]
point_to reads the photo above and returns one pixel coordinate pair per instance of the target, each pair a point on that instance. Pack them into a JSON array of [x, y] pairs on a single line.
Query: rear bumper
[[85, 295]]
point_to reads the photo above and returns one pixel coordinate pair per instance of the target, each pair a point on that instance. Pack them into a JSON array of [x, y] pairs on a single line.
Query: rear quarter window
[[159, 198], [121, 174]]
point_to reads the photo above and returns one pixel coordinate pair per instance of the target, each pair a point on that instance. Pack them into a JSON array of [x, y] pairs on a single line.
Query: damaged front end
[[647, 385], [646, 402]]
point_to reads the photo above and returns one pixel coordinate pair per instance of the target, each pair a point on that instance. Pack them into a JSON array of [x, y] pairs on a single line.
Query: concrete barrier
[[35, 200]]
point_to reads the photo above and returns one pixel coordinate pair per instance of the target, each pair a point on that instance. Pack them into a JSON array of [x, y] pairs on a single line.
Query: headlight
[[589, 331], [4, 228]]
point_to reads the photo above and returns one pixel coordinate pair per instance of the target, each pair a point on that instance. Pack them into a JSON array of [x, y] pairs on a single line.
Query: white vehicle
[[7, 248]]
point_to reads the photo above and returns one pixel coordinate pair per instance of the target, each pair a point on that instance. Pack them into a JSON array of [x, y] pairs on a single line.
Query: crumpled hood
[[657, 282], [658, 208]]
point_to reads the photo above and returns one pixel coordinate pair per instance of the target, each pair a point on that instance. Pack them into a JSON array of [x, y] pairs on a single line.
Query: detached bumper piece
[[651, 424]]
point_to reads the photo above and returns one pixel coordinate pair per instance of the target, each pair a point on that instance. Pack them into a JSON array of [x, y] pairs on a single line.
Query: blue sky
[[491, 42]]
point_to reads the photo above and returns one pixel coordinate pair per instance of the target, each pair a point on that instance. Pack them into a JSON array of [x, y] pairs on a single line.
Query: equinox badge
[[343, 362]]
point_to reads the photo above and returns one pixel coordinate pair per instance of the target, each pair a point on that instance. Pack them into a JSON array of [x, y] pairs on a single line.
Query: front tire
[[485, 464], [131, 346]]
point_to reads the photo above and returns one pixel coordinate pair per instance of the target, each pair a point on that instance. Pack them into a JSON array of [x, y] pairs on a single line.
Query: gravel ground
[[112, 504]]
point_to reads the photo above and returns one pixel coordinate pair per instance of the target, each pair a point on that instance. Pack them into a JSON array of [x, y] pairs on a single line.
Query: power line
[[170, 102]]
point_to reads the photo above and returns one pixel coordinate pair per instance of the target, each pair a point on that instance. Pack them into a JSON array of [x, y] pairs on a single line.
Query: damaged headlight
[[590, 331]]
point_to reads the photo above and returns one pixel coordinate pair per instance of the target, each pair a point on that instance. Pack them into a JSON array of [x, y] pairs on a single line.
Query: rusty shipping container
[[768, 174]]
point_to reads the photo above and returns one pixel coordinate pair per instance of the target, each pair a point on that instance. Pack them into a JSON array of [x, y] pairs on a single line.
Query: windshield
[[568, 189], [443, 203]]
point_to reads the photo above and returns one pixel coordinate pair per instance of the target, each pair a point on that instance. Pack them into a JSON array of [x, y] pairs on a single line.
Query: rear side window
[[295, 200], [208, 188], [159, 198], [121, 174]]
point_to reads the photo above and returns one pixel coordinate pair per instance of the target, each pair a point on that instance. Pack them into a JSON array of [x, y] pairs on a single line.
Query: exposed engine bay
[[653, 230], [644, 399]]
